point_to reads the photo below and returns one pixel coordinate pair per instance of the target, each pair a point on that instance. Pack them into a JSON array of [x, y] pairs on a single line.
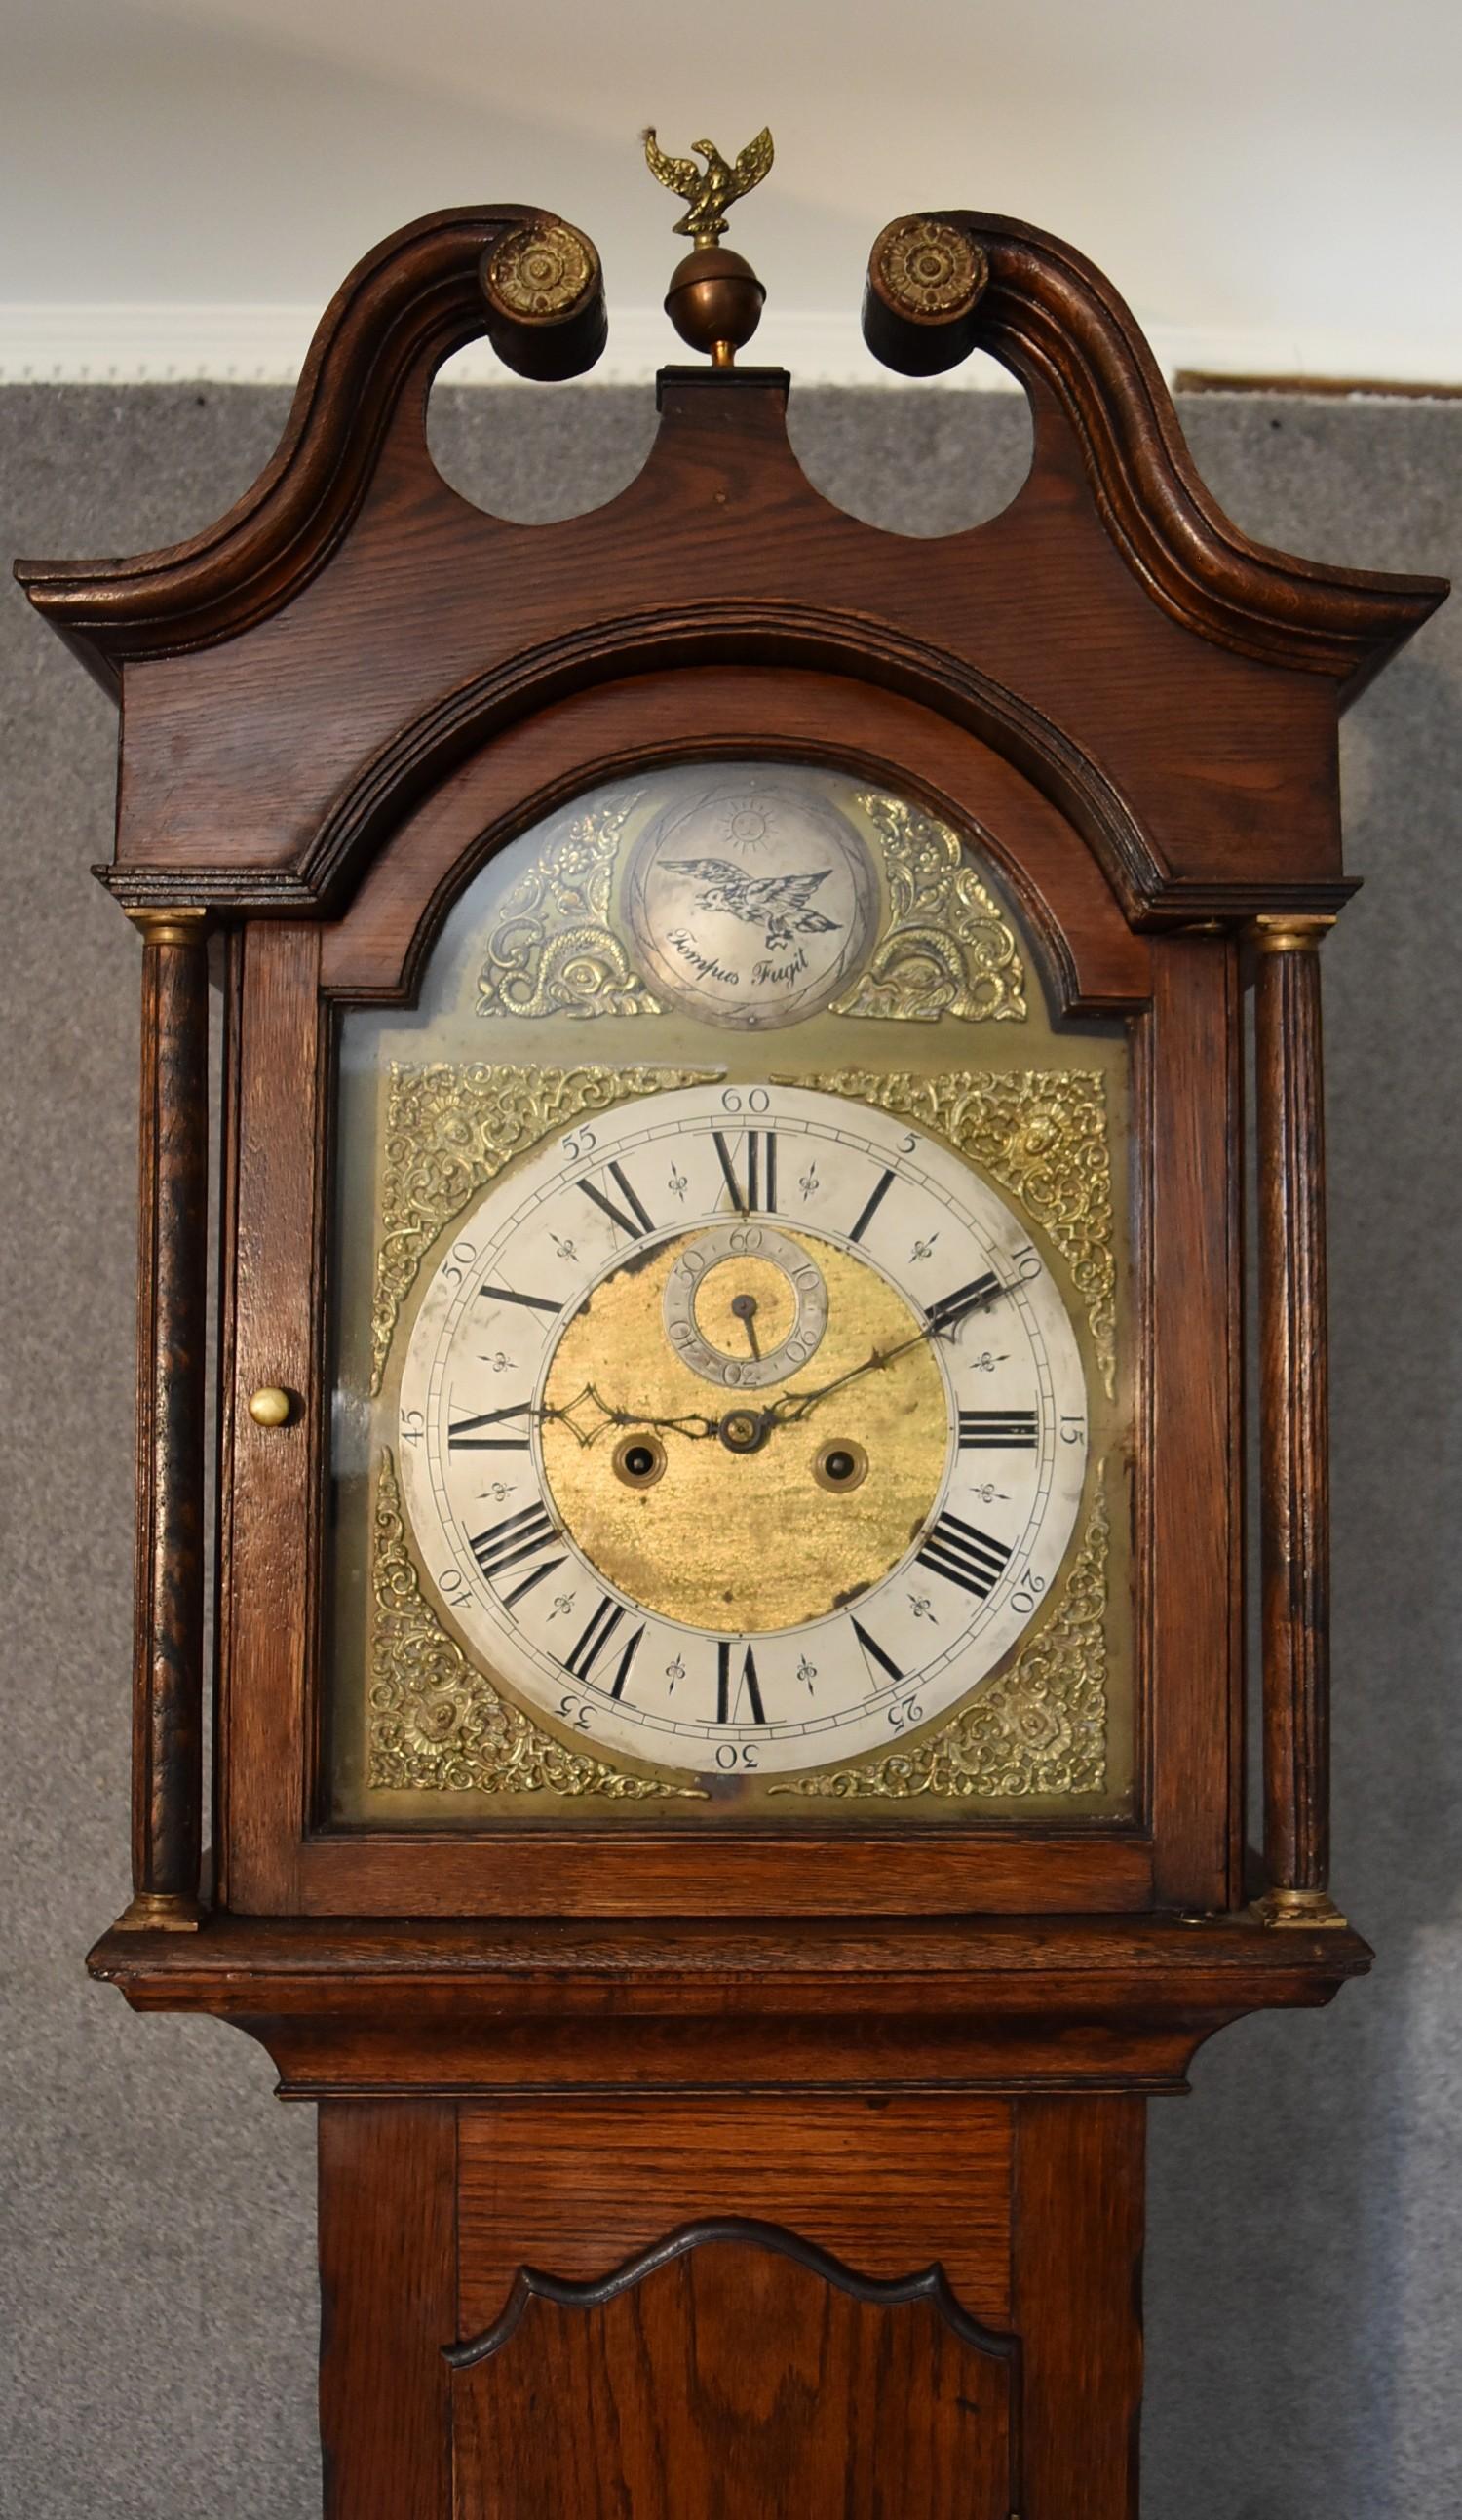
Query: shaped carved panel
[[734, 2373]]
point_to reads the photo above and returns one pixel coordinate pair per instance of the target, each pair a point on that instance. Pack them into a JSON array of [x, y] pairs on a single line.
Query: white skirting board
[[239, 343]]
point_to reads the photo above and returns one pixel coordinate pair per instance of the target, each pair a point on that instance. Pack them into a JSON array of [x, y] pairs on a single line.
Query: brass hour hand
[[588, 1415]]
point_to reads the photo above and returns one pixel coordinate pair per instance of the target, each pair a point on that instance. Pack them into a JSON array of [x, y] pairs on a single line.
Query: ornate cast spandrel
[[561, 945], [436, 1721], [946, 947], [554, 949], [450, 1130], [1042, 1134], [1039, 1729]]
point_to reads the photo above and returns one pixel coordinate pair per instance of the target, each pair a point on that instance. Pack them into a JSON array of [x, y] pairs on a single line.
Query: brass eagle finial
[[710, 192]]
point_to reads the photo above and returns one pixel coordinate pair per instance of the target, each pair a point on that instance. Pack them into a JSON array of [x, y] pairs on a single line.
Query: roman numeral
[[875, 1199], [464, 1437], [876, 1653], [1015, 1430], [637, 1222], [511, 1295], [507, 1543], [953, 1308], [760, 1191], [964, 1556], [724, 1712], [594, 1640]]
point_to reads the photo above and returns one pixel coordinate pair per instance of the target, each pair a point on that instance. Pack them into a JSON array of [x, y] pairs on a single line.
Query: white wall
[[1276, 185]]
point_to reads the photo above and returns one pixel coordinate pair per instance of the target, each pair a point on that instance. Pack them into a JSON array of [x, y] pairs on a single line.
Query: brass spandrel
[[1041, 1728], [946, 947], [553, 948], [449, 1130], [1042, 1133], [436, 1721]]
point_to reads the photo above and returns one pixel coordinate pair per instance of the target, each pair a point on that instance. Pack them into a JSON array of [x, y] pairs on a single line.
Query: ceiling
[[1271, 183]]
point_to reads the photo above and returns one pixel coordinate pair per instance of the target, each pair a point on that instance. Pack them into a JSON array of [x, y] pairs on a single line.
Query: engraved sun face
[[780, 1465], [750, 904]]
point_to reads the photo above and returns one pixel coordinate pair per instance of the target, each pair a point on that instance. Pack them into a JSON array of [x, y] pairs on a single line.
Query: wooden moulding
[[448, 2008], [171, 1343], [1048, 315], [1293, 1421]]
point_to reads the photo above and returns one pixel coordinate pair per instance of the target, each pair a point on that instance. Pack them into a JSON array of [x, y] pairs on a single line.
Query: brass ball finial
[[714, 298]]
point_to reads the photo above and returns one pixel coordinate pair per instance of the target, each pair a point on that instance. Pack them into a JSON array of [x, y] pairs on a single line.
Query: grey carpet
[[1304, 2272]]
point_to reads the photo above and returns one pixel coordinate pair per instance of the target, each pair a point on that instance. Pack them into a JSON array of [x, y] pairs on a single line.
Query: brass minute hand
[[945, 1315]]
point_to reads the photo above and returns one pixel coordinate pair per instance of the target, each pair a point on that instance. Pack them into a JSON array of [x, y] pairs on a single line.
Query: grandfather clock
[[728, 1585]]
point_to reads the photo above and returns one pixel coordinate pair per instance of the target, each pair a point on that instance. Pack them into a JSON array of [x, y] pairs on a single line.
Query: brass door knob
[[271, 1407]]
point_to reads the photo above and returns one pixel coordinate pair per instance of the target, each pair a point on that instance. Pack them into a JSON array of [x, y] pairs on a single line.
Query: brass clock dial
[[743, 1432]]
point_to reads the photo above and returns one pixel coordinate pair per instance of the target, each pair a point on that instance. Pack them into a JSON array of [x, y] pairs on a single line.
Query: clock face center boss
[[741, 1430]]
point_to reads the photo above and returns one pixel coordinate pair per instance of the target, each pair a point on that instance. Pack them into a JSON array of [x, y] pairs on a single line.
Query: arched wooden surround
[[1179, 995], [1093, 963]]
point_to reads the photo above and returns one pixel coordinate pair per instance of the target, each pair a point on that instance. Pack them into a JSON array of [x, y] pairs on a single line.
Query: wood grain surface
[[739, 2376], [172, 1334], [1294, 1410]]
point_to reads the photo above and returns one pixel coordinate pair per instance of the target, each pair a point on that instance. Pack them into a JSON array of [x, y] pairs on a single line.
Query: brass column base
[[160, 1912], [1310, 1909]]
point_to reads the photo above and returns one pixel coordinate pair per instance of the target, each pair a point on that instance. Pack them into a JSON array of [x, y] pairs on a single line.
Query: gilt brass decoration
[[449, 1130], [931, 268], [1039, 1730], [709, 191], [553, 950], [946, 948], [541, 269], [1041, 1134], [437, 1723]]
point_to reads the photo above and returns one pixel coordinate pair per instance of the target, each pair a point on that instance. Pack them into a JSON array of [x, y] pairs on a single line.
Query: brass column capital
[[186, 926], [1289, 932]]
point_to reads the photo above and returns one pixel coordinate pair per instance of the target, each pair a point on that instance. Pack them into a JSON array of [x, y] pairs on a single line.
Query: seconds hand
[[743, 1307]]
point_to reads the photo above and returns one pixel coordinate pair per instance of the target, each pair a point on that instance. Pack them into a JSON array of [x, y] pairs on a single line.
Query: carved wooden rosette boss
[[729, 1595]]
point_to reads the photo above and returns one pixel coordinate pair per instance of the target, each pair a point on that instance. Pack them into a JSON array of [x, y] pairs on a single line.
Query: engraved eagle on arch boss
[[781, 904]]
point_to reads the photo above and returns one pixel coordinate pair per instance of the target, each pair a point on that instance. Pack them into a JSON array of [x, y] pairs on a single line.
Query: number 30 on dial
[[743, 1430]]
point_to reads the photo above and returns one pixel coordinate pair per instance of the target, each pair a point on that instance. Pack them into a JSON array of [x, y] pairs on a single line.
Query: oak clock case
[[729, 1257], [728, 1773]]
